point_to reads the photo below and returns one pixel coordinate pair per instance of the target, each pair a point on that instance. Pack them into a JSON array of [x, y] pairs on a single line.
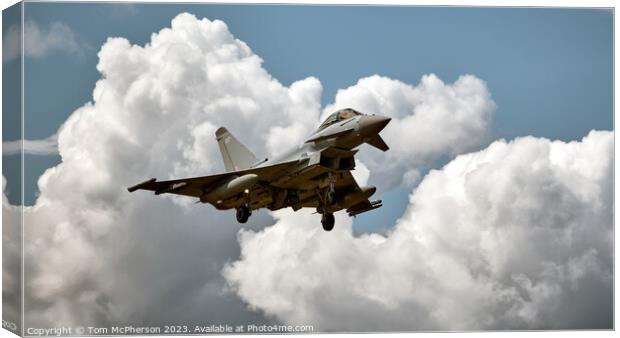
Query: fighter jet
[[317, 174]]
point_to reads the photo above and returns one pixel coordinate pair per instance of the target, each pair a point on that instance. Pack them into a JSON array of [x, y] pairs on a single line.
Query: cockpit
[[341, 115]]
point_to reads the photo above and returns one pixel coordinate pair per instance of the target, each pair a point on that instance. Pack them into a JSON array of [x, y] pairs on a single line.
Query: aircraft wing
[[195, 186], [347, 181]]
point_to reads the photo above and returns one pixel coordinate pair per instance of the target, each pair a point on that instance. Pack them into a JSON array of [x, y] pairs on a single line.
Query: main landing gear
[[327, 221], [329, 196], [243, 213]]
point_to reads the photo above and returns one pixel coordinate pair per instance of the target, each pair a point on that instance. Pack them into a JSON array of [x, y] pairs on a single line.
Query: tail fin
[[236, 156]]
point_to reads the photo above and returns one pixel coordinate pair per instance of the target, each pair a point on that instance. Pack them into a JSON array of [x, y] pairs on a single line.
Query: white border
[[480, 3]]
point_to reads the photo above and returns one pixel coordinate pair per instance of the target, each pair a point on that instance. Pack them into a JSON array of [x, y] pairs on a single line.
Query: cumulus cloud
[[516, 236], [429, 121], [39, 41], [46, 146], [90, 244], [11, 262]]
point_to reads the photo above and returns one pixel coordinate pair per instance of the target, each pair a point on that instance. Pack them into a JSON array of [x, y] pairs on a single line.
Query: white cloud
[[154, 114], [430, 120], [46, 146], [91, 244], [516, 236], [11, 43], [11, 260], [39, 41]]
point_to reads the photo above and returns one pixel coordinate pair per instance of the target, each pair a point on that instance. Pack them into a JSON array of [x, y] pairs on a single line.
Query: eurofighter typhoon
[[315, 175]]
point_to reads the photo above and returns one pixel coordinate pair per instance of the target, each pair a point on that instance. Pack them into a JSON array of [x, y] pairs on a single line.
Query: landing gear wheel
[[243, 213], [328, 221]]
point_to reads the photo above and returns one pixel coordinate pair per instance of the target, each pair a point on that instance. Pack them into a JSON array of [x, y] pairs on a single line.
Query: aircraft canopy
[[340, 115]]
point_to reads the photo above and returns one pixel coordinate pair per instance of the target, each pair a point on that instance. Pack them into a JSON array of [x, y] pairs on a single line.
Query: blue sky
[[549, 70]]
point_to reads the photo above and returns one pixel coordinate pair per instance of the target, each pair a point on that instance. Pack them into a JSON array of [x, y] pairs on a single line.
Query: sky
[[537, 82], [455, 80]]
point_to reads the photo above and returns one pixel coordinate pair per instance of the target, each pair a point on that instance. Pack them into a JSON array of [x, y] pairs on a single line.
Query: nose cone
[[371, 125]]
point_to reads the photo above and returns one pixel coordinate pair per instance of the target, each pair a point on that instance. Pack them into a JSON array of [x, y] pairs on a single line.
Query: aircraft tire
[[328, 221], [243, 213]]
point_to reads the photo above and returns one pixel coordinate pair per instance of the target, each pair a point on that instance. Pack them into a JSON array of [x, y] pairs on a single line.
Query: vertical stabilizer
[[236, 156]]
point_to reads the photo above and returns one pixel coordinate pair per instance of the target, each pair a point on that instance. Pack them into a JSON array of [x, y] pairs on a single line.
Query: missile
[[172, 188], [373, 205], [230, 188]]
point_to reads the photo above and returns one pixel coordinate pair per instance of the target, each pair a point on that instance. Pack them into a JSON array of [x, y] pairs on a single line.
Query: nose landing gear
[[328, 198], [330, 191]]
